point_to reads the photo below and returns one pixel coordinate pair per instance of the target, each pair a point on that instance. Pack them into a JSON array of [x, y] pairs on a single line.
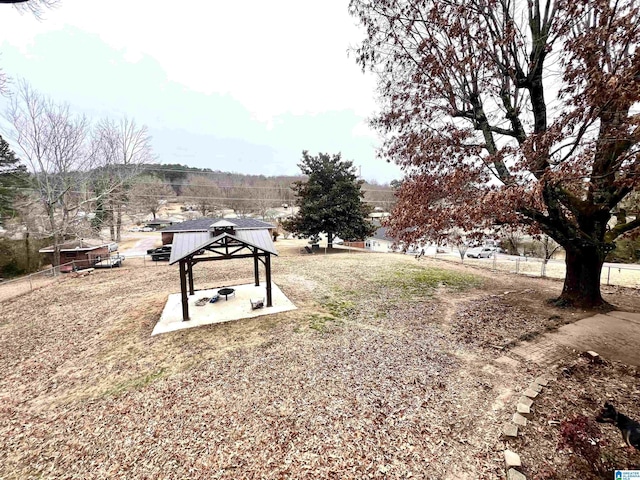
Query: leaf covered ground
[[386, 370]]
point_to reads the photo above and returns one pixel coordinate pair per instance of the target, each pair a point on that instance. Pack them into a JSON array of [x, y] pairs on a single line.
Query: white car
[[484, 252]]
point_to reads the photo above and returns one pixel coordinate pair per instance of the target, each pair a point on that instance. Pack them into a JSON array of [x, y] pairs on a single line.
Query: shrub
[[581, 435]]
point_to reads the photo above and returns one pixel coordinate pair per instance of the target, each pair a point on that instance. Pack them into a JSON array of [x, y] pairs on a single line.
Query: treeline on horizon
[[179, 177]]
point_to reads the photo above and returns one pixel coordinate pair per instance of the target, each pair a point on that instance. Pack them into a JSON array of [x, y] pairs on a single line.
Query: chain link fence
[[626, 275], [28, 283]]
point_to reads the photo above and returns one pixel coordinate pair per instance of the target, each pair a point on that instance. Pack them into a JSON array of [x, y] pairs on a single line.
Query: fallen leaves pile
[[501, 320], [360, 382]]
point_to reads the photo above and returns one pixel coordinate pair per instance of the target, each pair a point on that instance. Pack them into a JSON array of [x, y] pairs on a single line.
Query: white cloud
[[288, 56], [284, 61]]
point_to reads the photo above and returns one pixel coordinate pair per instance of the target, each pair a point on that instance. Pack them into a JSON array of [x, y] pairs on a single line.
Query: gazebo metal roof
[[190, 248], [186, 244]]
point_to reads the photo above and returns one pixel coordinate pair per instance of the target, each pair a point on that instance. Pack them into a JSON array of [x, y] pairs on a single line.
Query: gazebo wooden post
[[224, 247], [268, 268], [183, 290], [191, 289], [256, 267]]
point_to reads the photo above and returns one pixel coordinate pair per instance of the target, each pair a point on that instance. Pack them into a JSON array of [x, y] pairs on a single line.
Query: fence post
[[517, 265], [608, 274], [495, 257]]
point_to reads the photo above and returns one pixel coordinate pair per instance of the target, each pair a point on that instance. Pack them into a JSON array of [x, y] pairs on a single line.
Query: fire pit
[[226, 292]]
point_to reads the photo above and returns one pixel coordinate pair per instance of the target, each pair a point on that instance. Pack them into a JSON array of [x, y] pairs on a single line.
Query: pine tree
[[12, 177]]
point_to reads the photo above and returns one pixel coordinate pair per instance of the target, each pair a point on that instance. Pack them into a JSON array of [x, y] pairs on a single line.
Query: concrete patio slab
[[236, 307]]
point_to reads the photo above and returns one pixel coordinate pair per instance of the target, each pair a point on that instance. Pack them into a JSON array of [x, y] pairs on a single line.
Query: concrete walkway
[[614, 335]]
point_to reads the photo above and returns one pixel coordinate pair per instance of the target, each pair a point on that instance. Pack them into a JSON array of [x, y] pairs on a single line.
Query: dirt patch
[[375, 375]]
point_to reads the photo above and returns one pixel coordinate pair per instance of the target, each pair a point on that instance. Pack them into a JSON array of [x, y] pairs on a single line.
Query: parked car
[[160, 253], [484, 252], [162, 248], [111, 262]]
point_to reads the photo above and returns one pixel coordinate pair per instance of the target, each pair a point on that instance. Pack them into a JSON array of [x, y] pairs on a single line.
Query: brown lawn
[[385, 371]]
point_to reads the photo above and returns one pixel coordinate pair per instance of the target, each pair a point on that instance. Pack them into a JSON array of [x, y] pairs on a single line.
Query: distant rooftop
[[77, 245], [381, 234], [204, 224]]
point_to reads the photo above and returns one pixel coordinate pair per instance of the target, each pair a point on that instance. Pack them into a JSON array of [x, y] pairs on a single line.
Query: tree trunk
[[27, 248], [56, 239], [112, 227], [56, 252], [119, 223], [329, 239], [582, 281]]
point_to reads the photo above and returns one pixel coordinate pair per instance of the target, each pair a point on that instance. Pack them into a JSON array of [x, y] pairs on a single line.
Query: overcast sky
[[233, 86]]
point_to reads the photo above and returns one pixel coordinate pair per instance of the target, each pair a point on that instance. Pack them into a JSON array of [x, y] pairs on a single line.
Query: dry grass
[[370, 377], [15, 288]]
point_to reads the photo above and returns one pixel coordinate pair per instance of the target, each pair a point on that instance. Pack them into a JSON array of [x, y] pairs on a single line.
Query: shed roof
[[203, 224], [187, 243], [77, 245]]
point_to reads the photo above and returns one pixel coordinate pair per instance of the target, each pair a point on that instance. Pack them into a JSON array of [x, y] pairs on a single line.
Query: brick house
[[85, 253]]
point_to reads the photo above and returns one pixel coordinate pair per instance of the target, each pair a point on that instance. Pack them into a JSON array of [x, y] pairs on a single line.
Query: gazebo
[[222, 242]]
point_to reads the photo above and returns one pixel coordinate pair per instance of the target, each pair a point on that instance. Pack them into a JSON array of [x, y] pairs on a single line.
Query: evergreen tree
[[330, 200], [12, 176]]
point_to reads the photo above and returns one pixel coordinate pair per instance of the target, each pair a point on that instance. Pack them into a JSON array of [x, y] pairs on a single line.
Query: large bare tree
[[511, 112], [36, 7], [53, 143], [121, 149]]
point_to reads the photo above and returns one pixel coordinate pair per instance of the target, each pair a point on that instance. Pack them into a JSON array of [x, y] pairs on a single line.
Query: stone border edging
[[523, 410]]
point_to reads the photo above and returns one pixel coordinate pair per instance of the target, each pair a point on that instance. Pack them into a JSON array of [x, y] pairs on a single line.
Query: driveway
[[141, 247]]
